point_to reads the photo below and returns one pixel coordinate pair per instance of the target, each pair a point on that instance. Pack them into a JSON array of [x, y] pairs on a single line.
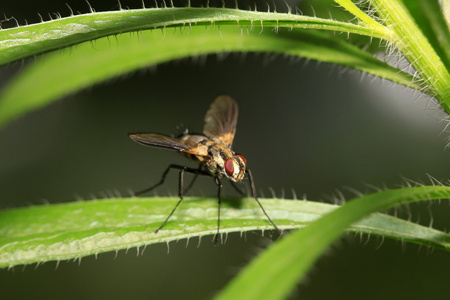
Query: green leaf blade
[[295, 254], [430, 19], [63, 73], [74, 230], [26, 41], [413, 44]]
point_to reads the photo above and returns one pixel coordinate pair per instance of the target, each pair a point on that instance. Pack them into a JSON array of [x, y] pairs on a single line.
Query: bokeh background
[[313, 128]]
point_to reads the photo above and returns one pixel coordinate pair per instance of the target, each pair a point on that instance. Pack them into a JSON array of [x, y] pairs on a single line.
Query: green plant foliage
[[415, 46], [33, 39], [73, 230], [60, 74], [428, 16], [276, 280], [100, 50]]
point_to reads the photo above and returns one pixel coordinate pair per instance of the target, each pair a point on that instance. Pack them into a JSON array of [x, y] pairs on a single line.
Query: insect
[[212, 151]]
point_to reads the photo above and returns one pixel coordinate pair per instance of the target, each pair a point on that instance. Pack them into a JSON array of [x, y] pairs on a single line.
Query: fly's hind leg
[[197, 172], [193, 180]]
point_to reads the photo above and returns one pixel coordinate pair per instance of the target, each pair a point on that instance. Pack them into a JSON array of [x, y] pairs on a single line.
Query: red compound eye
[[229, 167], [243, 159]]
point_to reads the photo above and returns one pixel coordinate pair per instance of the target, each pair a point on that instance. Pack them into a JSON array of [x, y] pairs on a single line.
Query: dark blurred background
[[310, 127]]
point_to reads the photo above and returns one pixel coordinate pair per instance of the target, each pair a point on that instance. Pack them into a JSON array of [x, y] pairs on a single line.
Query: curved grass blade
[[415, 46], [429, 18], [295, 254], [26, 41], [61, 73], [73, 230]]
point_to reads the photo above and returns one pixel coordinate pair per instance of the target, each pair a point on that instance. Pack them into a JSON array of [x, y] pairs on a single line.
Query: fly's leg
[[219, 201], [193, 180], [252, 184], [164, 175], [180, 189], [180, 186]]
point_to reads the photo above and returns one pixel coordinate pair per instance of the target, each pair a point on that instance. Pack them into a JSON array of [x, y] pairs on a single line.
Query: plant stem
[[415, 47]]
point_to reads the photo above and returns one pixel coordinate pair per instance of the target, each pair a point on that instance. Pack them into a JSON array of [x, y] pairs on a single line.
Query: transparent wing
[[158, 140], [221, 119], [187, 143]]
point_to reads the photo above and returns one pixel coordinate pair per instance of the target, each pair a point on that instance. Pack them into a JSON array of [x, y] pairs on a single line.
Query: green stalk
[[410, 40], [352, 8]]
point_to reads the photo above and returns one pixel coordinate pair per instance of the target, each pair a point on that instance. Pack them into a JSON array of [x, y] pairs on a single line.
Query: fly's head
[[234, 168], [223, 162]]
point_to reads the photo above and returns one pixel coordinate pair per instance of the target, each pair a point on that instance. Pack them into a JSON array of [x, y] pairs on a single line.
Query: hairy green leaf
[[60, 74], [428, 16], [415, 46], [74, 230], [264, 279], [25, 41]]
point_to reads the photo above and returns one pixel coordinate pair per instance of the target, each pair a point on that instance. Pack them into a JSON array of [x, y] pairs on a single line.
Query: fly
[[212, 151]]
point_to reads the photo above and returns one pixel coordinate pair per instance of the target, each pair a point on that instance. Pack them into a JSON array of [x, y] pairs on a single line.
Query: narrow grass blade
[[26, 41], [66, 72], [274, 273], [66, 231], [430, 19], [414, 45]]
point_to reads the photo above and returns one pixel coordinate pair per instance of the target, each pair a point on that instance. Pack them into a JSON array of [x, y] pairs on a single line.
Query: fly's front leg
[[252, 185], [219, 201]]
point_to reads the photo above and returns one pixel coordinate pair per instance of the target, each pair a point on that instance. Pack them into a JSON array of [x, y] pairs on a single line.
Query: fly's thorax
[[198, 149], [223, 162]]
